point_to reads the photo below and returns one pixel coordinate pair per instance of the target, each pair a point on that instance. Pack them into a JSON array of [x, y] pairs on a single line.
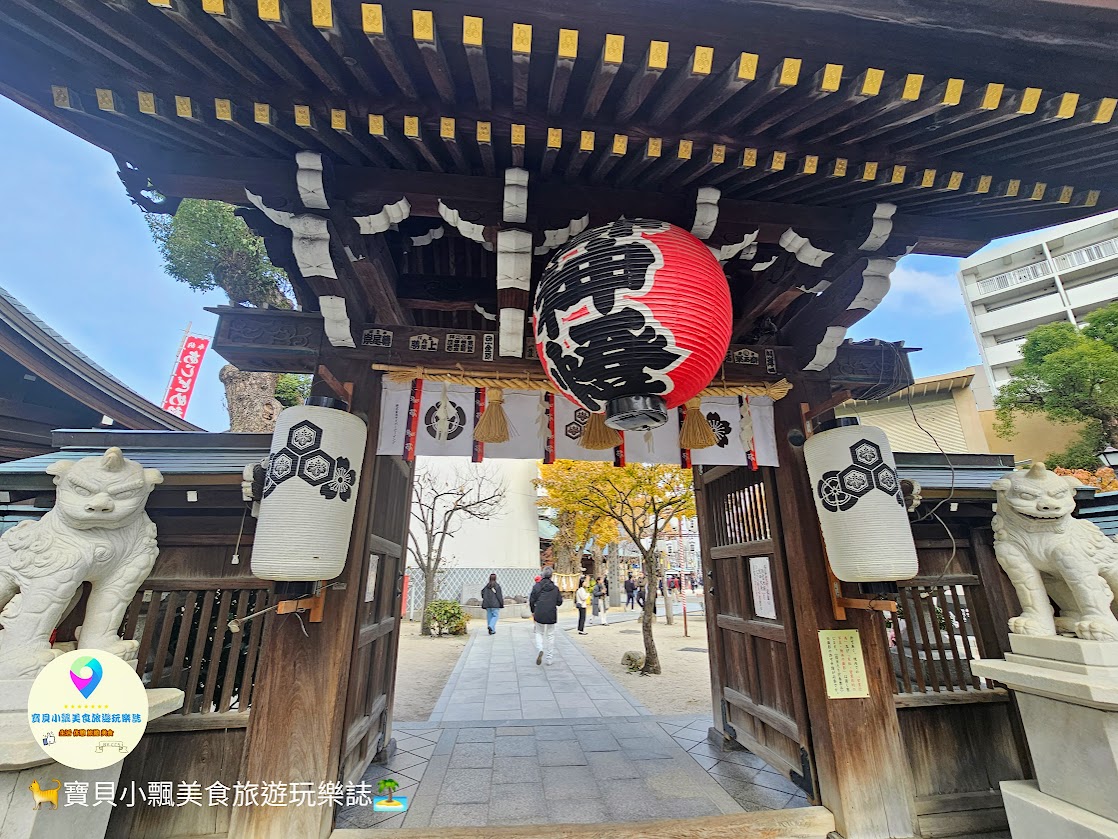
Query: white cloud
[[915, 292]]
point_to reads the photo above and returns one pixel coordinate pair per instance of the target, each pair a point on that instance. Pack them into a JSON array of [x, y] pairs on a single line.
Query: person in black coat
[[544, 602], [492, 601], [630, 592]]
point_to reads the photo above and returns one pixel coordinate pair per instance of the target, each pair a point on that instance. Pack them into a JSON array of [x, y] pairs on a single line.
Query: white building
[[1052, 275], [511, 540]]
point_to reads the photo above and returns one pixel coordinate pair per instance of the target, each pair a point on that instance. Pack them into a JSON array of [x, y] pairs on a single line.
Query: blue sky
[[79, 255]]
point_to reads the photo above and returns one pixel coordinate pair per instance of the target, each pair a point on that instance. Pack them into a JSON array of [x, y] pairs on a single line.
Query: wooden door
[[372, 672], [755, 667]]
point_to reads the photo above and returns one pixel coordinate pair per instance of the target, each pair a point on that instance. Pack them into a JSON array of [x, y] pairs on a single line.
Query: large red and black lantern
[[632, 319]]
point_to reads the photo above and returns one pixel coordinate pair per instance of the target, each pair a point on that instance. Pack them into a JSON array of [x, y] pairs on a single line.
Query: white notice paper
[[761, 579]]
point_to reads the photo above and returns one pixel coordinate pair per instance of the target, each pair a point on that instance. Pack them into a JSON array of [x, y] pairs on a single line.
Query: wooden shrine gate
[[755, 662]]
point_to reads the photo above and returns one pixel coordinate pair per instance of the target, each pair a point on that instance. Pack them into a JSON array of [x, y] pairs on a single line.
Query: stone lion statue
[[1047, 553], [96, 532]]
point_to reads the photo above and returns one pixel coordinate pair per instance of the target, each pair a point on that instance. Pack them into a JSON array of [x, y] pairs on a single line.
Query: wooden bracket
[[315, 605], [840, 603]]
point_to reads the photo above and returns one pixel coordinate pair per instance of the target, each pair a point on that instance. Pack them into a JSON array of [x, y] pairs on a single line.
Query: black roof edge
[[67, 438]]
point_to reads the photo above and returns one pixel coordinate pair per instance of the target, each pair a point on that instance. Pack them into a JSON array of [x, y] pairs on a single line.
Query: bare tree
[[441, 504]]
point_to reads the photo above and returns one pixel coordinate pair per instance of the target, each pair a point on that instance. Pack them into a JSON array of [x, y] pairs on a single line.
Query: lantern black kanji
[[632, 319]]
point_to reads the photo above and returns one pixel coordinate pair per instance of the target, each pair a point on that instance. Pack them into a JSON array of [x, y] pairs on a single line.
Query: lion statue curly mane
[[97, 532], [1049, 554]]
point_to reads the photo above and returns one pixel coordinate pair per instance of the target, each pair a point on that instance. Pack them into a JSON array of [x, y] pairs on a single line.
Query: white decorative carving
[[875, 285], [826, 349], [514, 259], [1048, 554], [706, 212], [389, 215], [97, 532], [428, 237], [804, 250], [336, 321], [309, 180], [516, 196], [510, 333], [725, 253], [482, 311], [882, 227], [561, 235], [469, 229], [761, 266], [310, 239], [751, 250]]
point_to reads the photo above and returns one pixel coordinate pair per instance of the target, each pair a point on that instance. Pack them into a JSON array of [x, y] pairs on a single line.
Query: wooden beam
[[306, 676], [565, 56], [473, 40], [364, 189], [864, 778], [427, 41], [655, 62], [612, 55]]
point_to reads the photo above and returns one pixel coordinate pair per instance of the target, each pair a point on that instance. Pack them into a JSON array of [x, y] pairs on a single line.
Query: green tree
[[1070, 376], [641, 499], [292, 389], [206, 246]]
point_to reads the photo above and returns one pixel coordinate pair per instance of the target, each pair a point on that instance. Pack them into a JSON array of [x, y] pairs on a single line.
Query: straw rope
[[403, 375]]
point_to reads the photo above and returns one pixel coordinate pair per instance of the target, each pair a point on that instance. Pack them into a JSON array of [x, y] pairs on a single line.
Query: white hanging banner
[[444, 425], [526, 413], [660, 445], [436, 419], [393, 433], [724, 415], [764, 430], [566, 424]]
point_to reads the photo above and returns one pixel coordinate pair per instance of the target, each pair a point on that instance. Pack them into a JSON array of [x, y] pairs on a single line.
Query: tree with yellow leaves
[[640, 499]]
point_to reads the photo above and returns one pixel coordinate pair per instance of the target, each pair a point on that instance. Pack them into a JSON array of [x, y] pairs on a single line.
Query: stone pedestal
[[22, 761], [1067, 690]]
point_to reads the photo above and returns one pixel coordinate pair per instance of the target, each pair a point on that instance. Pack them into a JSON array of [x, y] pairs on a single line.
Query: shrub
[[447, 617]]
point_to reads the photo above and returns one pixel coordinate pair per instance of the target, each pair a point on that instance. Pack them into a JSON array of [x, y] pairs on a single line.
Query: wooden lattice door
[[755, 667], [372, 673]]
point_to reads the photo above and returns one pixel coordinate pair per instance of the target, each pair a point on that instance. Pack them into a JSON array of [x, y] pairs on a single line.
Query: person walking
[[630, 592], [544, 603], [601, 600], [581, 596], [492, 601]]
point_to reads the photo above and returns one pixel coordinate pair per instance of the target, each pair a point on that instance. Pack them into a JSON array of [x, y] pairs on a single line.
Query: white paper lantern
[[310, 493], [861, 507]]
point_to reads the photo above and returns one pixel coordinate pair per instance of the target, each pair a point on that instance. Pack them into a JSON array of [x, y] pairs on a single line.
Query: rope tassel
[[597, 436], [696, 432], [493, 427]]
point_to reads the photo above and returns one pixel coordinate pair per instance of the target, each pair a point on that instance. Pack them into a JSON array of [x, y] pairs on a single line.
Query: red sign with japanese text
[[186, 372]]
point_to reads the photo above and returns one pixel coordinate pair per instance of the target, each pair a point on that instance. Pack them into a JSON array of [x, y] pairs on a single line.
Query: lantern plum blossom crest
[[632, 319]]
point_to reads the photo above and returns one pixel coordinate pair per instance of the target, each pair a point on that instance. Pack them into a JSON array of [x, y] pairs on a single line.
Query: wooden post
[[860, 759], [295, 727]]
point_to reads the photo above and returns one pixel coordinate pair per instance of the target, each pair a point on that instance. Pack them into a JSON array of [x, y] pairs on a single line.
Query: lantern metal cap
[[636, 413], [326, 402], [838, 422]]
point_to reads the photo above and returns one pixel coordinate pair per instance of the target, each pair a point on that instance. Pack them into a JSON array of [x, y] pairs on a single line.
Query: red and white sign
[[186, 372]]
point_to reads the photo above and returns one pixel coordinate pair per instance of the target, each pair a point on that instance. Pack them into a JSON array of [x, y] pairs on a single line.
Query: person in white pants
[[544, 603], [601, 601]]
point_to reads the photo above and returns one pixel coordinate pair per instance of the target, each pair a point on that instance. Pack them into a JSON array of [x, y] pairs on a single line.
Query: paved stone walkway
[[511, 742], [497, 678]]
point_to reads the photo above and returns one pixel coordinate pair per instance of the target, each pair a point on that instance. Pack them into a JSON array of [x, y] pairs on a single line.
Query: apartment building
[[1057, 274]]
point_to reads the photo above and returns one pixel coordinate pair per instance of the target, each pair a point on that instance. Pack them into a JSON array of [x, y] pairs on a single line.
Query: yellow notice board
[[843, 665]]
